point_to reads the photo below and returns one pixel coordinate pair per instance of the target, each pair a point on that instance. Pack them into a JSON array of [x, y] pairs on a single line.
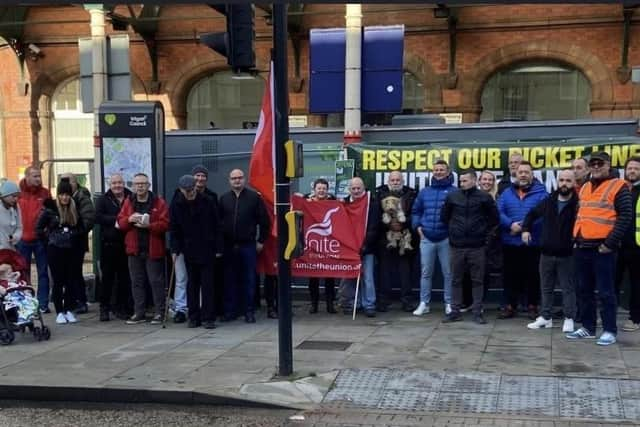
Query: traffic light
[[295, 243], [294, 165], [237, 42]]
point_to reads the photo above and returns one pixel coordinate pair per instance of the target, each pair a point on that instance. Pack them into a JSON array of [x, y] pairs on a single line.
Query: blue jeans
[[596, 271], [367, 291], [239, 279], [428, 252], [39, 250], [180, 294]]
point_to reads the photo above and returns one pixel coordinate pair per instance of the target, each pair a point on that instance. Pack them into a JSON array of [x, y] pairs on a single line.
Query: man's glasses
[[236, 177], [140, 184]]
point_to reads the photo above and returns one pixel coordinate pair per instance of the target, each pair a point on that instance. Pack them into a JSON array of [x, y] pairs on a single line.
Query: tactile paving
[[530, 405], [408, 400], [629, 389], [363, 378], [471, 383], [415, 379], [467, 402], [366, 398], [529, 386], [588, 387], [591, 407]]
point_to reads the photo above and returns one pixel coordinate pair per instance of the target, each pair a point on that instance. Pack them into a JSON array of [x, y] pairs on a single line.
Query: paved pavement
[[108, 360]]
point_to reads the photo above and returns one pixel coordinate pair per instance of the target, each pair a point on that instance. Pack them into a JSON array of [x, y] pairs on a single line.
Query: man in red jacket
[[32, 197], [144, 218]]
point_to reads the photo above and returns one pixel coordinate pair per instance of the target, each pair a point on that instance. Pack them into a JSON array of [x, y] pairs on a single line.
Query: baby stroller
[[19, 310]]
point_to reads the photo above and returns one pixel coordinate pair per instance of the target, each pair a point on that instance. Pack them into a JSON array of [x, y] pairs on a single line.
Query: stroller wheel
[[37, 333], [46, 333], [6, 336]]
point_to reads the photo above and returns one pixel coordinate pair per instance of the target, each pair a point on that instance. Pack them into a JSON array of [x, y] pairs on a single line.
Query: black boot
[[314, 292], [314, 307], [330, 295], [104, 314]]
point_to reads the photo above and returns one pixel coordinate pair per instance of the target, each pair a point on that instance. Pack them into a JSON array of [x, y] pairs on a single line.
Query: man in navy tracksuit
[[521, 259]]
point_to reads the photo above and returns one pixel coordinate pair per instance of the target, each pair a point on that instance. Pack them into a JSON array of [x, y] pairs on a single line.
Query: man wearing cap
[[246, 226], [195, 233], [31, 201], [10, 221], [604, 216], [144, 218]]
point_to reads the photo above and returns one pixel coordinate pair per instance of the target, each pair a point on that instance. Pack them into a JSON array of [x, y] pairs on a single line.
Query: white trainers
[[423, 308], [70, 317], [568, 325], [540, 322], [447, 309], [60, 319], [630, 326]]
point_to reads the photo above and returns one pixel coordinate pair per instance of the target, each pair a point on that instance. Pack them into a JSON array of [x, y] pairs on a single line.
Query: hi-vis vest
[[597, 213], [638, 222]]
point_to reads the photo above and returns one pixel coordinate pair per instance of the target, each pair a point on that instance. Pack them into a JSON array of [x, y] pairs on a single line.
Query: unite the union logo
[[317, 237]]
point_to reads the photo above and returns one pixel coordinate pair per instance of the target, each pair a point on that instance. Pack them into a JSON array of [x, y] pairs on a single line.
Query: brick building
[[512, 62]]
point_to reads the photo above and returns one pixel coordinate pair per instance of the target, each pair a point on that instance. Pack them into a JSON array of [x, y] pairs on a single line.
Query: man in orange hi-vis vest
[[604, 216]]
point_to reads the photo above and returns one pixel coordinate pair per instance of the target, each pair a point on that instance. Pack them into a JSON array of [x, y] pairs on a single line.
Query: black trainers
[[194, 323], [104, 314], [209, 324], [135, 319], [370, 313], [179, 317], [272, 313], [82, 309], [250, 318], [45, 309], [452, 317], [479, 319]]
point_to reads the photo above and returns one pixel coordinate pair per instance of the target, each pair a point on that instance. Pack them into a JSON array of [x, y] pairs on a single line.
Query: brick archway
[[423, 71], [573, 55], [185, 77]]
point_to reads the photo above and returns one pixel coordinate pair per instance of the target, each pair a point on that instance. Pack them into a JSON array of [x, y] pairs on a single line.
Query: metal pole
[[352, 73], [281, 103]]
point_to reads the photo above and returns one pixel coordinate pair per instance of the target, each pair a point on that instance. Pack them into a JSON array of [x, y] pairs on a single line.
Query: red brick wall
[[489, 37]]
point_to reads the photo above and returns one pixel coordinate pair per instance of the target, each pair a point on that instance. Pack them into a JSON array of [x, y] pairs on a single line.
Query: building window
[[412, 103], [536, 92], [72, 133], [223, 102]]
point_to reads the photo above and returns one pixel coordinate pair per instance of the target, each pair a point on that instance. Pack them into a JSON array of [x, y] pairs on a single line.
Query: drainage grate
[[467, 402], [409, 400], [591, 407], [531, 405], [588, 387], [324, 345], [471, 383]]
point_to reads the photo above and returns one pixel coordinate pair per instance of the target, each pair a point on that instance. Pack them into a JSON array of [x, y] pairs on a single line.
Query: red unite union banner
[[333, 235]]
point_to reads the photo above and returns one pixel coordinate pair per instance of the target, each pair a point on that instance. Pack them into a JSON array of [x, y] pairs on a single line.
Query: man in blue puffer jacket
[[434, 234], [521, 260]]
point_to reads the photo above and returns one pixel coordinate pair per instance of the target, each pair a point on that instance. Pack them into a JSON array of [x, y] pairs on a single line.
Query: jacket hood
[[442, 183], [29, 188]]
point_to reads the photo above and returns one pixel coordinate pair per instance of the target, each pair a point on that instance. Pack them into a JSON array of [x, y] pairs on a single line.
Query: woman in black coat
[[60, 225]]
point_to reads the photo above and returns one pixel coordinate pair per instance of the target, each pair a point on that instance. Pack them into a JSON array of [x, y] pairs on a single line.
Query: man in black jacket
[[195, 232], [367, 293], [113, 257], [393, 266], [629, 256], [558, 214], [246, 226], [471, 215]]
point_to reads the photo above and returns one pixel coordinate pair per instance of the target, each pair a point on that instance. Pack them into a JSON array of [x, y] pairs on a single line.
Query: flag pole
[[281, 105]]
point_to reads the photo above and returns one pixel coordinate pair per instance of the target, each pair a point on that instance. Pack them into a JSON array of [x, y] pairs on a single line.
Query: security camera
[[35, 50]]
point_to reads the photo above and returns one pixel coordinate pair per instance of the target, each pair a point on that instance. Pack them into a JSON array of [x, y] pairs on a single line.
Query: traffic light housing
[[295, 164], [295, 243], [237, 42]]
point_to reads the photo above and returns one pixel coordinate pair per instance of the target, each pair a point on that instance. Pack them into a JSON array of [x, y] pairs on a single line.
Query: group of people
[[513, 235], [510, 234]]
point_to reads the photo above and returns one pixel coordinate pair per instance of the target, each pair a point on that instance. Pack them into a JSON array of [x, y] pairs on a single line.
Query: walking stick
[[166, 301], [355, 301]]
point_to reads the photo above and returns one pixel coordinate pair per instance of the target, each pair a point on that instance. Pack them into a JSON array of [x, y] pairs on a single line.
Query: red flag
[[262, 174], [262, 165]]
